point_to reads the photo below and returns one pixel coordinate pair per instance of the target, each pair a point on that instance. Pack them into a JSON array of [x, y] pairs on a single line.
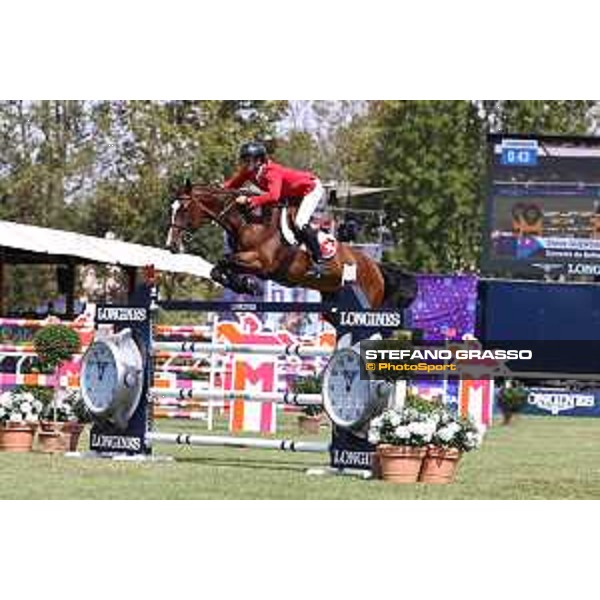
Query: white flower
[[473, 439], [395, 419], [454, 428], [402, 432], [377, 421], [26, 407], [15, 417], [374, 437], [445, 434]]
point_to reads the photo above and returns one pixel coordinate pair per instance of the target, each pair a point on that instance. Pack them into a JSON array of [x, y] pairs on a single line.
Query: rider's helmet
[[253, 150]]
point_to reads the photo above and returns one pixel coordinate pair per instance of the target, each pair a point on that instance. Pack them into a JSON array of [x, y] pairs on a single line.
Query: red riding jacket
[[276, 181]]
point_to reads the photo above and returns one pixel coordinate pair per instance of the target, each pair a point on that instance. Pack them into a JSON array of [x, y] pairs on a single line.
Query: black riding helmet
[[253, 150]]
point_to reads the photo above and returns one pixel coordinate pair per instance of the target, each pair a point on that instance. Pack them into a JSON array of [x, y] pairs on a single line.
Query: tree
[[433, 154]]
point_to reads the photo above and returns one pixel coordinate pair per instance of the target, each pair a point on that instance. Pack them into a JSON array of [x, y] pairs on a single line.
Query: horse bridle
[[217, 218]]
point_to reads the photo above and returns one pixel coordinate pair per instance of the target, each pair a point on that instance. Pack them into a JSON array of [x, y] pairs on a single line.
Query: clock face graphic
[[112, 379], [346, 395], [100, 375]]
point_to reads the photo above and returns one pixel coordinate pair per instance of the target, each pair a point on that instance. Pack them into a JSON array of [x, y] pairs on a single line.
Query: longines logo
[[556, 402], [115, 442], [370, 319], [115, 313], [350, 458], [244, 306], [583, 269]]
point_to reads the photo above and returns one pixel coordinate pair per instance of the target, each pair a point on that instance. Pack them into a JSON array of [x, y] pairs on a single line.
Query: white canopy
[[42, 240]]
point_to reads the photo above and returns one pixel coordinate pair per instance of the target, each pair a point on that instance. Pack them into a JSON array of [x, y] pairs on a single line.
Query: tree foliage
[[433, 154]]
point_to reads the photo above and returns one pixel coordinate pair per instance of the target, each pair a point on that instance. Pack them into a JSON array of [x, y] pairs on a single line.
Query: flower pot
[[52, 442], [309, 424], [74, 430], [400, 464], [70, 432], [440, 465], [17, 437]]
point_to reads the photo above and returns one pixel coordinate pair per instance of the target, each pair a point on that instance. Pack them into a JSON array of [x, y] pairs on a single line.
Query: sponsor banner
[[563, 402], [380, 320], [121, 314], [102, 442]]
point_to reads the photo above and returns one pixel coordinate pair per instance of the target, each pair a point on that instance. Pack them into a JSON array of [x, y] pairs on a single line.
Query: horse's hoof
[[250, 286]]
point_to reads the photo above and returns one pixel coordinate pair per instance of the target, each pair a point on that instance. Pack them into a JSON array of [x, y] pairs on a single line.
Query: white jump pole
[[275, 397], [183, 439], [163, 348]]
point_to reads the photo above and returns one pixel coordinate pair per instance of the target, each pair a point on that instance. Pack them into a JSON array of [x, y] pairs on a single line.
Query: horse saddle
[[327, 241]]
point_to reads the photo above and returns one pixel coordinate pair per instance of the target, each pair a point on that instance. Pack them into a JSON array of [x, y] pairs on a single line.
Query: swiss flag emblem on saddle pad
[[328, 244]]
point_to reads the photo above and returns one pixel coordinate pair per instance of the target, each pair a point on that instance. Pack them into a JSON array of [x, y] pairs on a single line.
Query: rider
[[279, 182]]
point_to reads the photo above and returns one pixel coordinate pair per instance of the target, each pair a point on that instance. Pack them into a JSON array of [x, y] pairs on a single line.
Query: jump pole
[[183, 439]]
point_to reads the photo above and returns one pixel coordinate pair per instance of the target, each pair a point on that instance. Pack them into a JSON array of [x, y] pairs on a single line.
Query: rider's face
[[251, 164]]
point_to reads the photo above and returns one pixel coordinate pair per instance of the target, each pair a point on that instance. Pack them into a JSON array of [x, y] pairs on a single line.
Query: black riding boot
[[308, 235]]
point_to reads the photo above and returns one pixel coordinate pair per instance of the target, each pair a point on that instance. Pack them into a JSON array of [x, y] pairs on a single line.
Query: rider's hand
[[242, 200]]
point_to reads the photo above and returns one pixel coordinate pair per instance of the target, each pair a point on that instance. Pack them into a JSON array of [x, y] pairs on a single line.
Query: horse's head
[[193, 206]]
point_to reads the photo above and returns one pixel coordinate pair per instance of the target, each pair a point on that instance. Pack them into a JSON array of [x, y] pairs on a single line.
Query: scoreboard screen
[[543, 206]]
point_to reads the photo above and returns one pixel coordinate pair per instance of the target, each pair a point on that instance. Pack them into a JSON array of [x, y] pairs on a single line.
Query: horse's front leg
[[233, 274], [248, 268]]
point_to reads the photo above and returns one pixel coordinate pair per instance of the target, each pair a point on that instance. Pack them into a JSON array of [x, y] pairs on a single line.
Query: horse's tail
[[400, 286]]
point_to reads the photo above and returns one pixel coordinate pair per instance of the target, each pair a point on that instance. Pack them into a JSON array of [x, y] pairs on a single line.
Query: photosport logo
[[403, 359]]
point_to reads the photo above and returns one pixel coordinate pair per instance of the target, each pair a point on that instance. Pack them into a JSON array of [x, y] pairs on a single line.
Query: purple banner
[[445, 306]]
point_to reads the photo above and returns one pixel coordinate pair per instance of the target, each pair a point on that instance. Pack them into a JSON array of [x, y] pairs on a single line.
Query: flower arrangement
[[406, 427], [456, 432], [18, 406], [435, 426], [64, 409], [423, 441]]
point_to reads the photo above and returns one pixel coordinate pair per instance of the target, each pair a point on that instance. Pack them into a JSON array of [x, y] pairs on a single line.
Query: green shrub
[[55, 344], [420, 404], [512, 399], [309, 385]]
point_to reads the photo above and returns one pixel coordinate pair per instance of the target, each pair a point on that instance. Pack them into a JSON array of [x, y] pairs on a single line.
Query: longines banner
[[563, 402]]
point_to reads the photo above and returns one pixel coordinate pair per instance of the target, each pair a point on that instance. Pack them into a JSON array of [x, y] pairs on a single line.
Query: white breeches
[[309, 205]]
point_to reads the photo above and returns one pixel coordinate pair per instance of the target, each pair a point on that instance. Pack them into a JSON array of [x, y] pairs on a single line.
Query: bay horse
[[260, 250]]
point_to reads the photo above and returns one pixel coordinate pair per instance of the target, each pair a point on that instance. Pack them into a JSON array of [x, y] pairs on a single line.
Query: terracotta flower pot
[[17, 437], [400, 464], [440, 465], [52, 442], [74, 430], [62, 436]]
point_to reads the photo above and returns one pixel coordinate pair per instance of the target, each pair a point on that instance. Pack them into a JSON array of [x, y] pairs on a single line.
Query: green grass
[[537, 457]]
